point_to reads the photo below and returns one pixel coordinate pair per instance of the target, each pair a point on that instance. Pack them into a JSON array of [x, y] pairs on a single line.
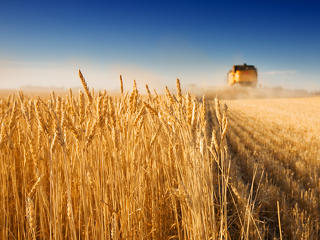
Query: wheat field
[[94, 166], [90, 165]]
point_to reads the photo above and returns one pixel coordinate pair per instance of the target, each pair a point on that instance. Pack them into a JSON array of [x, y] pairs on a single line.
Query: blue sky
[[43, 43]]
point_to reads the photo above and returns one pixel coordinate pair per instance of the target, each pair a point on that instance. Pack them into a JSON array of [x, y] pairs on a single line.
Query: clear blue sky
[[45, 42]]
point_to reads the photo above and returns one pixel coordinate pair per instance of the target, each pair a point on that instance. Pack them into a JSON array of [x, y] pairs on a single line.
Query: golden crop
[[95, 166]]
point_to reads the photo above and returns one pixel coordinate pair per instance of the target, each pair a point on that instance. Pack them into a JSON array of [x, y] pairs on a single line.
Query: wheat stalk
[[85, 86]]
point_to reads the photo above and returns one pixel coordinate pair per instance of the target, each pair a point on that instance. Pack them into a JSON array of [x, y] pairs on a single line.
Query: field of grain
[[277, 143], [89, 165]]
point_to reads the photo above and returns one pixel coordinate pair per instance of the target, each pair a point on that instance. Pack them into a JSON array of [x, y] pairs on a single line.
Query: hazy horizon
[[44, 44]]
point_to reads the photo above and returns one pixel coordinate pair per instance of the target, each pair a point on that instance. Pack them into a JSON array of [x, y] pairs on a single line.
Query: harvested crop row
[[286, 158]]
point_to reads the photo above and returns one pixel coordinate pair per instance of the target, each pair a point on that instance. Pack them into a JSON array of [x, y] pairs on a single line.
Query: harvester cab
[[244, 75]]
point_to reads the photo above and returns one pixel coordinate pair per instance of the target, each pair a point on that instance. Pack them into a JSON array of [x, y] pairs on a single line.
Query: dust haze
[[240, 92]]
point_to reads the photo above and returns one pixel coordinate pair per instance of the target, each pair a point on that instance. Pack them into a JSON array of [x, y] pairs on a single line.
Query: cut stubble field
[[95, 166], [277, 141]]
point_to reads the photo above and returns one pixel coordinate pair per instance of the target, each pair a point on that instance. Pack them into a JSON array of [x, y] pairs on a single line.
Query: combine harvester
[[243, 75]]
